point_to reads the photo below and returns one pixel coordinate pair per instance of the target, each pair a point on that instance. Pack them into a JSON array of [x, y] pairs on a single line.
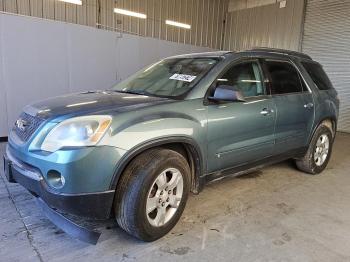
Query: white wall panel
[[128, 55], [171, 48], [92, 61], [44, 58], [149, 50], [3, 106], [34, 60]]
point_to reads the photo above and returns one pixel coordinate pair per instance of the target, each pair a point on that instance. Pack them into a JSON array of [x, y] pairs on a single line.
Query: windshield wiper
[[134, 92]]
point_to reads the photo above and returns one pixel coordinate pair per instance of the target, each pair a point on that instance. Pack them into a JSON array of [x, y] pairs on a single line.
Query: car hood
[[96, 102]]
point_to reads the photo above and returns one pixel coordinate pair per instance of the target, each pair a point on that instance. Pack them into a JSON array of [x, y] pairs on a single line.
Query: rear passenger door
[[294, 105]]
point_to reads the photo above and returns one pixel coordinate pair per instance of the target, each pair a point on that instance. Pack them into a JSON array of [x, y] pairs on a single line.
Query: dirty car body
[[216, 136]]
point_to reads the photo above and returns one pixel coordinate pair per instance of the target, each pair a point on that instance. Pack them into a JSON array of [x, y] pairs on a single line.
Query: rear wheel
[[319, 151], [152, 193]]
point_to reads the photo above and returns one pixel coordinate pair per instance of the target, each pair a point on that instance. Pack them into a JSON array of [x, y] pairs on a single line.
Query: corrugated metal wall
[[205, 16], [268, 26], [327, 40]]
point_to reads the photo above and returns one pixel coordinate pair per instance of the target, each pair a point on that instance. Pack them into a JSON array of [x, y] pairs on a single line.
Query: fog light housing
[[55, 179]]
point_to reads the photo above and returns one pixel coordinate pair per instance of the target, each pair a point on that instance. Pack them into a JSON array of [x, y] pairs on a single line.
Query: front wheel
[[319, 152], [152, 193]]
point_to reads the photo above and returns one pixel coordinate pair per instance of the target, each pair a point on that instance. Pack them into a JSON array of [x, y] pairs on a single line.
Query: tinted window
[[244, 77], [318, 75], [285, 78]]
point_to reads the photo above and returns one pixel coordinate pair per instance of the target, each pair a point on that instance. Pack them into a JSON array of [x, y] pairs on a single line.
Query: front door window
[[245, 77]]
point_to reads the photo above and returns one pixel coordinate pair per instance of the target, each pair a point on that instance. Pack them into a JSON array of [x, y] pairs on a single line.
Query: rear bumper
[[93, 205]]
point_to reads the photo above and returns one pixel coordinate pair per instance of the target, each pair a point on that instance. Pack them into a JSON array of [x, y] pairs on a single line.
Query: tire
[[308, 163], [139, 181]]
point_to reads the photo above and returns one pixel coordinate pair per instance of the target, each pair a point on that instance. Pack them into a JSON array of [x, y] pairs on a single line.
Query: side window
[[245, 77], [318, 75], [285, 78]]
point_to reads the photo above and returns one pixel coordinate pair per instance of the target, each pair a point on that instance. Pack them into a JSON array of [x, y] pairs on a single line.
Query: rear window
[[318, 75]]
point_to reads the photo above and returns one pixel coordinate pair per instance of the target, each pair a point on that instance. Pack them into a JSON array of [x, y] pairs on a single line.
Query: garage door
[[327, 39]]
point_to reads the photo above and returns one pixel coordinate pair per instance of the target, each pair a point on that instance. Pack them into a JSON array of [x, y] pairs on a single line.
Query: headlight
[[76, 132]]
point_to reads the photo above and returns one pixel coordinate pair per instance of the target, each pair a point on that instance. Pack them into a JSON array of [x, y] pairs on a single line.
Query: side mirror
[[226, 93]]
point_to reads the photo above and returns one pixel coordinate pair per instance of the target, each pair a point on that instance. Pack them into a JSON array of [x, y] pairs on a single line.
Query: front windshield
[[171, 77]]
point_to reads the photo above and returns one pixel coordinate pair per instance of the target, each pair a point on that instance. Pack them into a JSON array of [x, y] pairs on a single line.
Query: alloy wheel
[[321, 150], [164, 197]]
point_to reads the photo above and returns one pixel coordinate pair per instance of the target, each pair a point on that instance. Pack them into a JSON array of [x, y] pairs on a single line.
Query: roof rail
[[281, 51]]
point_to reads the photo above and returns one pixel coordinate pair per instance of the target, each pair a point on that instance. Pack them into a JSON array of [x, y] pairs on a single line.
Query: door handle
[[309, 105], [266, 111]]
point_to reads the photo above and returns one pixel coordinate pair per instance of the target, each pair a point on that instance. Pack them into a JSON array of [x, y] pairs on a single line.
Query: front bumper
[[68, 226], [92, 205]]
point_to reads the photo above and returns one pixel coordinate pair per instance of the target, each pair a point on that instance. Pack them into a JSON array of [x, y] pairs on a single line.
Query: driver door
[[241, 132]]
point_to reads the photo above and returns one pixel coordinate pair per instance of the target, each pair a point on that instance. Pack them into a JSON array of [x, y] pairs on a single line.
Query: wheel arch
[[330, 122], [183, 145]]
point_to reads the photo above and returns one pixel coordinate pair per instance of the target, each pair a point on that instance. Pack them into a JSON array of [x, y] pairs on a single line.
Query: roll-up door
[[326, 39]]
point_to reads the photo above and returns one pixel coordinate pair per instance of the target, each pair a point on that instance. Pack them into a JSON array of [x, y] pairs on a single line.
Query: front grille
[[31, 124]]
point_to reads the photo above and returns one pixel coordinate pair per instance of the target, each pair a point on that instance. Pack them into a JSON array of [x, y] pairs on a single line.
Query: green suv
[[136, 151]]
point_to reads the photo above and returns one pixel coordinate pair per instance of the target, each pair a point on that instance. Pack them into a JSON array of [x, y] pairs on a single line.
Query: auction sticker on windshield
[[182, 77]]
